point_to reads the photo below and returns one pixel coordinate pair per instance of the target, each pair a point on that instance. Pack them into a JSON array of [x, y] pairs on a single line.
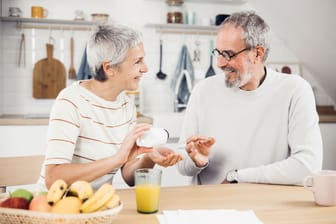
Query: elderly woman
[[92, 129]]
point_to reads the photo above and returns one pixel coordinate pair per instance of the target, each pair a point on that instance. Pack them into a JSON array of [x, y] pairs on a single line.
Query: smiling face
[[129, 72], [239, 69]]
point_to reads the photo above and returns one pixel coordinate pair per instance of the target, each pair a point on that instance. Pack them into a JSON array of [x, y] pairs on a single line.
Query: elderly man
[[264, 123]]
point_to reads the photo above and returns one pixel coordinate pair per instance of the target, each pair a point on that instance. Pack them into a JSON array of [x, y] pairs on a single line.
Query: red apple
[[16, 202], [40, 203]]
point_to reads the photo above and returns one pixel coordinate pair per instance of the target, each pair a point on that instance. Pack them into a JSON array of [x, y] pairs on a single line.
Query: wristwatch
[[232, 176]]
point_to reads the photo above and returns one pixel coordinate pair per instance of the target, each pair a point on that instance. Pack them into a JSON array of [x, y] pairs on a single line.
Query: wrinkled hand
[[198, 148], [128, 149], [164, 156]]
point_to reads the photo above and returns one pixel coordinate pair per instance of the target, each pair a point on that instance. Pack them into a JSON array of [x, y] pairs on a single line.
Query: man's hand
[[198, 148]]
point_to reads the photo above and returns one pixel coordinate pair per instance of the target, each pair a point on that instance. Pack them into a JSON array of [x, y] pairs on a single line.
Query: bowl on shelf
[[100, 17]]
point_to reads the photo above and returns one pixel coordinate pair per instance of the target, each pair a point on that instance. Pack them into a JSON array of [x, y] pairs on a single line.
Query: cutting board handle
[[50, 49]]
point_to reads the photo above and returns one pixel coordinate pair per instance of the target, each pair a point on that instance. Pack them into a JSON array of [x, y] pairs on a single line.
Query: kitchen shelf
[[50, 23], [183, 29], [236, 2]]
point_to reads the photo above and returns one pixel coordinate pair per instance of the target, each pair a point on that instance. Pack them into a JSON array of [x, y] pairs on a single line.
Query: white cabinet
[[22, 140]]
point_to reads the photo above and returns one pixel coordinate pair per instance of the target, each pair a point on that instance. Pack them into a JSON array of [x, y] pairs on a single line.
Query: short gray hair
[[110, 43], [256, 30]]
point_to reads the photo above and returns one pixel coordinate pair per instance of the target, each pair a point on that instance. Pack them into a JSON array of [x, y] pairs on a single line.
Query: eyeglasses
[[228, 55]]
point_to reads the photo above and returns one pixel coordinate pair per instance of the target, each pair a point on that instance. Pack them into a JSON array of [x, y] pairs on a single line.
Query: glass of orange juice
[[147, 190]]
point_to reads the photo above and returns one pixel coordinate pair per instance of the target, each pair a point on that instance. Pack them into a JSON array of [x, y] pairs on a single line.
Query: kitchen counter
[[23, 120], [40, 120], [327, 118], [44, 119]]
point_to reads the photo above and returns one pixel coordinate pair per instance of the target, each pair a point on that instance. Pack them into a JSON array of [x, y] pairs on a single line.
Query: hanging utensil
[[197, 51], [72, 71], [22, 49], [49, 76], [211, 71], [160, 74]]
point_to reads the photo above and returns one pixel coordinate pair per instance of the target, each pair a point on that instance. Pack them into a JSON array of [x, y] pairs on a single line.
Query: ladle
[[160, 74]]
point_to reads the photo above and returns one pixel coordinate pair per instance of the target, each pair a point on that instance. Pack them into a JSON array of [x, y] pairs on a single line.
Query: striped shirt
[[84, 127]]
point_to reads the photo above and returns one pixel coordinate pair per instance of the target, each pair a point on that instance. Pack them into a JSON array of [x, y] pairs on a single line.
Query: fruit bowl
[[18, 216]]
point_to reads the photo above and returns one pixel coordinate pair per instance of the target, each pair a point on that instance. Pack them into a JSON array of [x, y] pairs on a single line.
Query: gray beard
[[233, 84], [238, 82]]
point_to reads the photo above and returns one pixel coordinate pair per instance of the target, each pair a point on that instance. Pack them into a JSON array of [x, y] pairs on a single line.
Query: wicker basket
[[21, 216]]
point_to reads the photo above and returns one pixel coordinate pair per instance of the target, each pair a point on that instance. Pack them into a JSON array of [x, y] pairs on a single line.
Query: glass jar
[[135, 97], [175, 11]]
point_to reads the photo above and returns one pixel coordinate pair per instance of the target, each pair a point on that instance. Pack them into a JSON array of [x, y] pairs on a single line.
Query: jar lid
[[174, 2]]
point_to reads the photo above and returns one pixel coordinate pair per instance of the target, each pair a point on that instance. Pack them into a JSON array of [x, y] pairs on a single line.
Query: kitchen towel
[[216, 216], [183, 79], [84, 69]]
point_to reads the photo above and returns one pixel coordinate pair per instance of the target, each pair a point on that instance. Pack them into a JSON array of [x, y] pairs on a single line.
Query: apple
[[16, 202], [22, 193], [40, 203]]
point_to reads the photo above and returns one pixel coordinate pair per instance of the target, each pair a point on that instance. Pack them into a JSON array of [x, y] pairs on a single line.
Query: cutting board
[[49, 76]]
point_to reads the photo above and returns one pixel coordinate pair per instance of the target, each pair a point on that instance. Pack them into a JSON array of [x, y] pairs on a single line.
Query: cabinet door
[[22, 140]]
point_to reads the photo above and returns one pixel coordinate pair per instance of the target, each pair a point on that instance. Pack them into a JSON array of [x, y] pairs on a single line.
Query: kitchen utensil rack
[[54, 24], [183, 29]]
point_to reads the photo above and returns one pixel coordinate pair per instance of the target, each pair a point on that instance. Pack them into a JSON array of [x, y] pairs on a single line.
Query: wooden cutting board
[[49, 76]]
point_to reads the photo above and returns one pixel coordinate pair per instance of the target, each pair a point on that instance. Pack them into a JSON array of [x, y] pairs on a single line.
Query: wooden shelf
[[235, 2], [183, 29]]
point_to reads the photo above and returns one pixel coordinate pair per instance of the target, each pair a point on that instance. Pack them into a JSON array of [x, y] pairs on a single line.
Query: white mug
[[323, 185]]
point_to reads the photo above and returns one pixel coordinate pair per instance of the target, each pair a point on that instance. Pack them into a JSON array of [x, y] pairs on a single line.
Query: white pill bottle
[[153, 137]]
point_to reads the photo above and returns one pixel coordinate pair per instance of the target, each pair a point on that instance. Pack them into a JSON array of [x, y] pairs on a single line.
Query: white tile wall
[[156, 95]]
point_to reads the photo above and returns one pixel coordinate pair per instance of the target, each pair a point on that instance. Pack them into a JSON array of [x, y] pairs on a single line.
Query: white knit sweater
[[271, 134]]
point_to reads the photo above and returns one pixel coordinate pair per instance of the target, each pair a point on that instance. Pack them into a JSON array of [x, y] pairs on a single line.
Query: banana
[[113, 202], [56, 191], [81, 189], [98, 199]]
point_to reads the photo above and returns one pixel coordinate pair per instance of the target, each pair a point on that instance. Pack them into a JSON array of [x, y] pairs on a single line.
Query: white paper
[[216, 216]]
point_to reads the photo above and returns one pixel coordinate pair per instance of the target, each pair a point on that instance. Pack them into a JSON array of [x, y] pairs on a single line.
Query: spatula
[[160, 74], [211, 71], [72, 71]]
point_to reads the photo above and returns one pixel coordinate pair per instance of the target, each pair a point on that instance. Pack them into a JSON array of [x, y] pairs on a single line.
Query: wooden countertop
[[274, 204], [44, 120], [327, 114], [24, 120]]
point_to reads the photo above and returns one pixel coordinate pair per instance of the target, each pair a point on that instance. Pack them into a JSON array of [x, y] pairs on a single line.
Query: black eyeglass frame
[[226, 55]]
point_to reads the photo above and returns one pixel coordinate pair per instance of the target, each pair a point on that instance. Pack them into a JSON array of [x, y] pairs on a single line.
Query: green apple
[[22, 193]]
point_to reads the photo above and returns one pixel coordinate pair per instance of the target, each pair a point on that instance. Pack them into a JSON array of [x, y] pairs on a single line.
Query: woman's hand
[[164, 156], [128, 149], [198, 148]]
